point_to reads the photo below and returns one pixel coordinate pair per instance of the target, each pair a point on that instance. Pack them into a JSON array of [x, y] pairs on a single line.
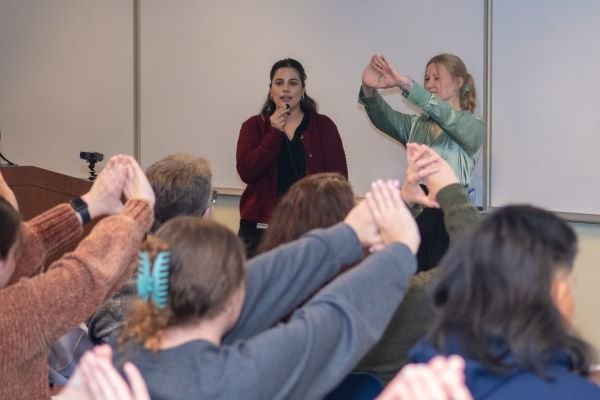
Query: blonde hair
[[456, 67]]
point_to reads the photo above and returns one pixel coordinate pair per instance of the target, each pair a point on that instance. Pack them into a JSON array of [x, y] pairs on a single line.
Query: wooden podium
[[38, 190]]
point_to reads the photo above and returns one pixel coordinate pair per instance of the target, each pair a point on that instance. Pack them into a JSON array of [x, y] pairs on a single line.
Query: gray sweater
[[306, 357]]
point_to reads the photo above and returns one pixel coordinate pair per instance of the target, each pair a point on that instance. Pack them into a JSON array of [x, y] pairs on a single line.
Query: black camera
[[91, 157]]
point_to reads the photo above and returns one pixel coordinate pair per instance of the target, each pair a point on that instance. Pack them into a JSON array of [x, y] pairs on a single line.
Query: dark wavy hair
[[316, 201], [307, 104], [10, 226], [493, 290]]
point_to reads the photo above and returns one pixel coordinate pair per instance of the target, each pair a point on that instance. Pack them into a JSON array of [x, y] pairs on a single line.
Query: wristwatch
[[81, 208]]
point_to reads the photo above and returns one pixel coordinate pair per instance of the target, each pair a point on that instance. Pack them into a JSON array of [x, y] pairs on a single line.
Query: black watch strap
[[81, 208]]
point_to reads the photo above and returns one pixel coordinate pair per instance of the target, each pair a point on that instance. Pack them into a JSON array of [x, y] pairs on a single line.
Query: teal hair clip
[[153, 283]]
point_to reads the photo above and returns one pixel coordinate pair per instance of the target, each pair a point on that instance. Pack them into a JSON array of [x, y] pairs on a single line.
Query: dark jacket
[[519, 383]]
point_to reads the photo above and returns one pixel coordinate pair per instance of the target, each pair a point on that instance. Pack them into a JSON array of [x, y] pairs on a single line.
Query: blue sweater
[[519, 383]]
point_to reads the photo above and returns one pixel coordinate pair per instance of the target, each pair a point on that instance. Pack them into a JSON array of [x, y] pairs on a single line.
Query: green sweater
[[414, 316], [459, 142]]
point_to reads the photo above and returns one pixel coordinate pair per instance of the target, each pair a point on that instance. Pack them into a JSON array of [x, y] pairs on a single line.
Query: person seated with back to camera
[[264, 304], [39, 306], [415, 315], [189, 195], [503, 297], [182, 184], [333, 188], [175, 336]]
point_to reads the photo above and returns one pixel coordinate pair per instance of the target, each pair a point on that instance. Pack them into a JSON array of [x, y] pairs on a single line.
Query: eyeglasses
[[213, 200]]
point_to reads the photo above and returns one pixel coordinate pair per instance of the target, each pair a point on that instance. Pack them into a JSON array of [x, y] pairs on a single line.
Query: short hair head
[[315, 201], [494, 287], [182, 185], [457, 68]]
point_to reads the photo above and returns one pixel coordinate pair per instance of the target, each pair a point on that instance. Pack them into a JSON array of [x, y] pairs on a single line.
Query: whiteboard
[[204, 69], [545, 122], [66, 81]]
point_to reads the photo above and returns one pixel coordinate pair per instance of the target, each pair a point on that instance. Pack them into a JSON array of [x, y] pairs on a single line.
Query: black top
[[291, 162]]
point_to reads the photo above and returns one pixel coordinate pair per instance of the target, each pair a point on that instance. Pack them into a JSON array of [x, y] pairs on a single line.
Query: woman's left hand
[[388, 75]]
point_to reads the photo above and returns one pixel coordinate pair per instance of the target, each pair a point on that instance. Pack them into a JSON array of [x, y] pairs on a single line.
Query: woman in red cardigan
[[285, 142]]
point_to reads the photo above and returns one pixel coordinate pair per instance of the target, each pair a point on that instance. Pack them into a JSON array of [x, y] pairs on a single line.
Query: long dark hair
[[316, 201], [10, 227], [493, 291], [307, 103]]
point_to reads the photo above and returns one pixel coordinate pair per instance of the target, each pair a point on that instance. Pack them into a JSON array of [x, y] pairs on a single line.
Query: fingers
[[441, 378], [360, 219], [379, 199], [138, 386], [379, 63], [392, 218], [280, 117], [137, 185], [105, 383], [94, 380]]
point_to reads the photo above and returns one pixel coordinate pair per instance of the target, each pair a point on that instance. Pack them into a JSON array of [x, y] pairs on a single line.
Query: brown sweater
[[38, 307]]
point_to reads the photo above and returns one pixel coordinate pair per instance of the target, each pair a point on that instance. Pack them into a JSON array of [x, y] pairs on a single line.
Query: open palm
[[380, 74]]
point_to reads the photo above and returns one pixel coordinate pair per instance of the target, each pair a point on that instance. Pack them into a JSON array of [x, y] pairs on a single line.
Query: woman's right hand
[[280, 117]]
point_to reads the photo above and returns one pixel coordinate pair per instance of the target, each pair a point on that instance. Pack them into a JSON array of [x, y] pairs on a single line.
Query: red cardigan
[[258, 148]]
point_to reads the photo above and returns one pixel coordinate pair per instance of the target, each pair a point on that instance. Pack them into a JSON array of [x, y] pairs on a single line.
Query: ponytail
[[468, 94]]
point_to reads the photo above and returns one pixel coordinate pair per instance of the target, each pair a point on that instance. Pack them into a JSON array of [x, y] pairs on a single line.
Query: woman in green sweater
[[447, 125]]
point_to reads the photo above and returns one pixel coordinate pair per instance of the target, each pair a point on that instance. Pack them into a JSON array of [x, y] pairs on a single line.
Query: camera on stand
[[92, 158]]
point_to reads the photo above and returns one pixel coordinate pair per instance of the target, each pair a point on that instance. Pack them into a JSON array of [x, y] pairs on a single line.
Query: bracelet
[[406, 87], [81, 208]]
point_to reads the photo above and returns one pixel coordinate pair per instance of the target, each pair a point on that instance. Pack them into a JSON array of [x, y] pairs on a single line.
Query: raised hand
[[280, 117], [137, 185], [370, 79], [104, 197], [443, 177], [96, 379], [393, 219], [421, 162], [441, 379], [361, 221], [381, 74], [7, 193]]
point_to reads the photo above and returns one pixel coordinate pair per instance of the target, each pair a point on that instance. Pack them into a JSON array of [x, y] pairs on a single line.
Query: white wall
[[545, 119], [205, 69], [66, 81]]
